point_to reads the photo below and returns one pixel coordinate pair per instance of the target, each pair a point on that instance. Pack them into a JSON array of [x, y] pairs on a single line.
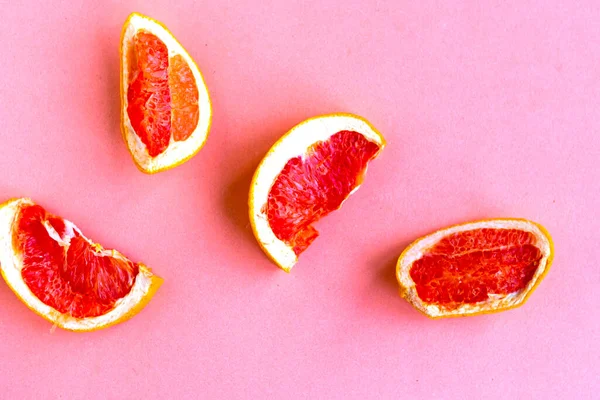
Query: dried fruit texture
[[478, 267], [162, 95], [63, 276], [67, 272], [310, 187], [309, 172], [470, 266]]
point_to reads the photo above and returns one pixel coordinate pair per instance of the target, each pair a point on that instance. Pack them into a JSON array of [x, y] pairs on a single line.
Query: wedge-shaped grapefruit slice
[[478, 267], [306, 175], [65, 277], [165, 107]]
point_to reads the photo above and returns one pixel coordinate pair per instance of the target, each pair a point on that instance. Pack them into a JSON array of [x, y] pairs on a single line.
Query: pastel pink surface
[[489, 109]]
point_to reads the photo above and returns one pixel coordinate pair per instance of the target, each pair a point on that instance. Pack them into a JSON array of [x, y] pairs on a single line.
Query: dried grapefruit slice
[[478, 267], [65, 277], [165, 106], [307, 174]]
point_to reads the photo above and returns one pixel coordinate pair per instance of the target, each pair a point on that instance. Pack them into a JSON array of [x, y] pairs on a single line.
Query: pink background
[[490, 109]]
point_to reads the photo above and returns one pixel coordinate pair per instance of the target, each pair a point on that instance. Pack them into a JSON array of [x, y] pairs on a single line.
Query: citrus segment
[[310, 187], [479, 267], [66, 272], [166, 111], [184, 99], [488, 261], [149, 95], [65, 277], [307, 174]]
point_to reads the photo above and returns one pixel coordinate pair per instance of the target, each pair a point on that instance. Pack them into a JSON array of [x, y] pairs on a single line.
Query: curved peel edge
[[146, 283], [178, 152], [293, 144], [416, 250]]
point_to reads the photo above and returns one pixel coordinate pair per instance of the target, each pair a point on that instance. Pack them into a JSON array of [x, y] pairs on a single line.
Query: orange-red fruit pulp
[[469, 266], [71, 275], [162, 95], [310, 187]]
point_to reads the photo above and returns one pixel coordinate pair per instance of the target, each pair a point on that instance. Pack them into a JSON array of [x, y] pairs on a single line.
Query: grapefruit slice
[[478, 267], [306, 175], [65, 277], [165, 106]]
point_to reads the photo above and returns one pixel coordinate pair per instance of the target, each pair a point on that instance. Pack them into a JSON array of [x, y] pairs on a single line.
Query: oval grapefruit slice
[[65, 277], [478, 267], [306, 175], [165, 106]]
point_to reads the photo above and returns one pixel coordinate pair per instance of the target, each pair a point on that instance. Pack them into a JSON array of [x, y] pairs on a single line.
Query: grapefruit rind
[[142, 291], [295, 143], [495, 304], [177, 152]]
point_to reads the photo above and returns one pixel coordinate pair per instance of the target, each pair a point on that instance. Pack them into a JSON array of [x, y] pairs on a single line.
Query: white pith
[[176, 151], [11, 265], [295, 143], [419, 248]]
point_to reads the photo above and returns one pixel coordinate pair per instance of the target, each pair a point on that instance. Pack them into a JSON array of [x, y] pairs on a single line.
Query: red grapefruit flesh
[[65, 277], [162, 94], [478, 267], [184, 99], [149, 95], [77, 279], [467, 267], [166, 112], [308, 173], [308, 188]]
